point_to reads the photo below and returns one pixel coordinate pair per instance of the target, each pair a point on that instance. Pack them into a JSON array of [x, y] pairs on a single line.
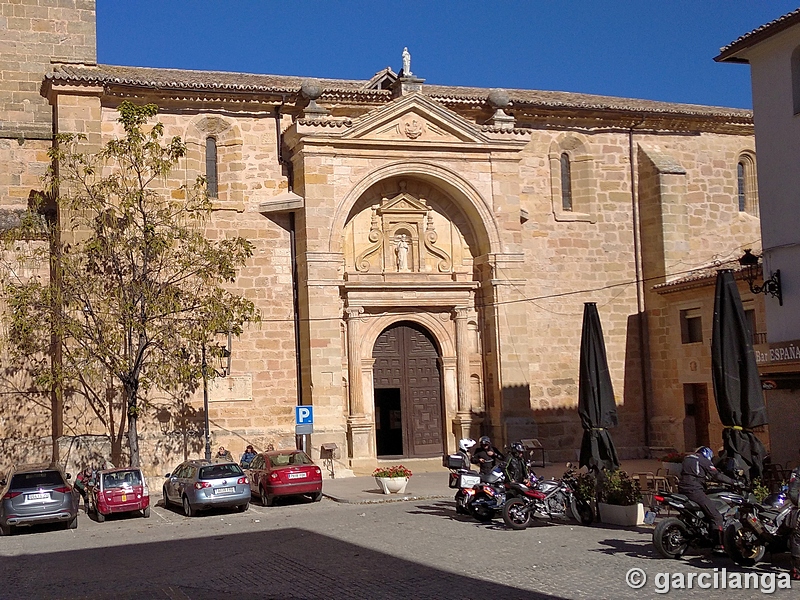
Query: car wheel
[[268, 500], [73, 524], [187, 508], [316, 496], [99, 516], [165, 497], [243, 507], [146, 513]]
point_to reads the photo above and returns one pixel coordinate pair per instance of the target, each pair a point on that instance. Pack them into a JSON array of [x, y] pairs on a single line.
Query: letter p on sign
[[304, 415]]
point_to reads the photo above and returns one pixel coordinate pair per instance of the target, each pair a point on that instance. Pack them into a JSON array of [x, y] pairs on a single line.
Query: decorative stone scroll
[[401, 238]]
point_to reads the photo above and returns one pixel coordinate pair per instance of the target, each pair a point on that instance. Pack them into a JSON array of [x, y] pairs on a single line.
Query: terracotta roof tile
[[180, 79], [759, 33]]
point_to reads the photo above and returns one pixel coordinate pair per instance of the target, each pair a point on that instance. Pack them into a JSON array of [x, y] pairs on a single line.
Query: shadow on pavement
[[287, 564]]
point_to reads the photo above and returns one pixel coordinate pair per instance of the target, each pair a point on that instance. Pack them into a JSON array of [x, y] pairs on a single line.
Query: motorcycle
[[546, 499], [463, 479], [673, 535], [758, 527], [489, 496]]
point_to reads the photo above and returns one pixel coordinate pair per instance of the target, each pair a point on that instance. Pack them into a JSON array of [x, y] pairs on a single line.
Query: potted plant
[[672, 463], [392, 480], [620, 500]]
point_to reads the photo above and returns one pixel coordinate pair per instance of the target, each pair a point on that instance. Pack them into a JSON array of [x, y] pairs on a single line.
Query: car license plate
[[38, 496], [227, 490], [124, 498], [297, 475]]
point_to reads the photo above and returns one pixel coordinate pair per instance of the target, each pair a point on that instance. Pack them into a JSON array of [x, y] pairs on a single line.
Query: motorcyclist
[[697, 468], [487, 456], [465, 446], [794, 540], [516, 467]]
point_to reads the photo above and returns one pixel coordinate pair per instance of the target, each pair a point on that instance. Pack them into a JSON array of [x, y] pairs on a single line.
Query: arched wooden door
[[408, 397]]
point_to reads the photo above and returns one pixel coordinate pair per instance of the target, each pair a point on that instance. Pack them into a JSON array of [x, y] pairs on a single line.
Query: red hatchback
[[284, 473], [119, 490]]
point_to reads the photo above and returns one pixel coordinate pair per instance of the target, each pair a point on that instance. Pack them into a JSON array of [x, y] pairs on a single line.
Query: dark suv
[[36, 494]]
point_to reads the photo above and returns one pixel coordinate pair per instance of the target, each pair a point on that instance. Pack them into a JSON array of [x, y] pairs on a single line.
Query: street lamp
[[771, 286]]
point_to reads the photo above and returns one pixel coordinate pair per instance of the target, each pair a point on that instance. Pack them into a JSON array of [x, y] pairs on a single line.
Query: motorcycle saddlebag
[[468, 480], [455, 461]]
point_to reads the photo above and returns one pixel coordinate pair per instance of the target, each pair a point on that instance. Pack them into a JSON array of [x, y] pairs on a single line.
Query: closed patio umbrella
[[596, 405], [737, 387]]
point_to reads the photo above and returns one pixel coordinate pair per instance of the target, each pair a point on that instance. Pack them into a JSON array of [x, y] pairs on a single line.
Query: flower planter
[[626, 516], [392, 485], [671, 468]]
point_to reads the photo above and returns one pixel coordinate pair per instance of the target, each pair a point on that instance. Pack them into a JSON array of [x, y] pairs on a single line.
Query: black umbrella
[[737, 388], [596, 405]]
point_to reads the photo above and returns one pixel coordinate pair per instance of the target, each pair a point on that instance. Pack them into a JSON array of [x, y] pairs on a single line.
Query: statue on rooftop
[[406, 63]]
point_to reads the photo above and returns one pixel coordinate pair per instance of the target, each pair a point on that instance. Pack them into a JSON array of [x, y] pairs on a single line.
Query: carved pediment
[[404, 203], [415, 118]]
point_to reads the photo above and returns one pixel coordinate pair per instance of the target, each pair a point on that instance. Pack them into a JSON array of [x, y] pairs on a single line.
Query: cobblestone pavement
[[299, 550]]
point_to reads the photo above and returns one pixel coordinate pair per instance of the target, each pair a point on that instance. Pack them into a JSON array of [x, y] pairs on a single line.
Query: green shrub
[[618, 488]]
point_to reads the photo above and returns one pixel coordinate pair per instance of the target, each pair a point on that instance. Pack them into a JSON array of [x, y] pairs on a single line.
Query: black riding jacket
[[516, 469], [696, 470], [486, 462]]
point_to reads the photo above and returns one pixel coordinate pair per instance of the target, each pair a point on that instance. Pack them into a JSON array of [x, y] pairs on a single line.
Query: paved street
[[300, 550]]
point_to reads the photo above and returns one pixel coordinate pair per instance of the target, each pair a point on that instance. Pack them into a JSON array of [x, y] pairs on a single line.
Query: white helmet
[[465, 444]]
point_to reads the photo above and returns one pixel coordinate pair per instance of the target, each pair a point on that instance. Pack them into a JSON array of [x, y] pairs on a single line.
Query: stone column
[[462, 357], [354, 362], [462, 424], [359, 428]]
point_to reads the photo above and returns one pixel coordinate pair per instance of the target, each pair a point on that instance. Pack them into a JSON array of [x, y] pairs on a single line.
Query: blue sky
[[639, 49]]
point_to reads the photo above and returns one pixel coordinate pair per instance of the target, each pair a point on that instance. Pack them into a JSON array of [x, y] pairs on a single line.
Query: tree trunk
[[131, 398]]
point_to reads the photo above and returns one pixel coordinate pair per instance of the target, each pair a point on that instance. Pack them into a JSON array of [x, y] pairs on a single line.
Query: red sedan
[[284, 473]]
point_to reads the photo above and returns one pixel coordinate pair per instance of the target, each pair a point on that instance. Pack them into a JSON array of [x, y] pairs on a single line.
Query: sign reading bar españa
[[779, 352]]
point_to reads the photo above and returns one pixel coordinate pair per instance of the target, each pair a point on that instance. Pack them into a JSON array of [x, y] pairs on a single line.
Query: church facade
[[422, 252]]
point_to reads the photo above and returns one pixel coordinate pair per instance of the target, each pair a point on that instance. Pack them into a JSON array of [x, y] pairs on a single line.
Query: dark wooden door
[[406, 360]]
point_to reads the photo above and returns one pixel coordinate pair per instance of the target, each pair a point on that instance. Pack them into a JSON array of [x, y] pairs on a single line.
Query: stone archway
[[407, 391]]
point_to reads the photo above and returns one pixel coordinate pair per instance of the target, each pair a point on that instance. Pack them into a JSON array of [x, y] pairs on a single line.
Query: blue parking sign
[[304, 415]]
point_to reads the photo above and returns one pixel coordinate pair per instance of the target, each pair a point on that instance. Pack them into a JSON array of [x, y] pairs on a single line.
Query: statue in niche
[[406, 63], [401, 249]]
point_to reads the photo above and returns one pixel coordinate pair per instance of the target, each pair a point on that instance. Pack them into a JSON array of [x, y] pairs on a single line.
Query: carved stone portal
[[401, 237]]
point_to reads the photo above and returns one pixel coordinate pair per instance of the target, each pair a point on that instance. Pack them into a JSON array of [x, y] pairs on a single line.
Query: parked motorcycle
[[489, 496], [546, 499], [463, 479], [674, 535], [758, 527]]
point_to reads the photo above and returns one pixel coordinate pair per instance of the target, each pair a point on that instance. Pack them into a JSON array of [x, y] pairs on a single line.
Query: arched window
[[211, 166], [566, 183], [796, 80], [747, 195], [740, 184]]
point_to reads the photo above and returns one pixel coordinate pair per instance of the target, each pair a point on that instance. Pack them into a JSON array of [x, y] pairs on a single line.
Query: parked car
[[37, 494], [285, 473], [118, 491], [200, 484]]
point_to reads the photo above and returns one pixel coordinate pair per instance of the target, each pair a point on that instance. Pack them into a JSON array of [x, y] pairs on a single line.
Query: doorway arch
[[407, 386]]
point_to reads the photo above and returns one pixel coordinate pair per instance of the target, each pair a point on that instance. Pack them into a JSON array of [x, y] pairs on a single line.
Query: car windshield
[[220, 471], [22, 481], [285, 460], [121, 479]]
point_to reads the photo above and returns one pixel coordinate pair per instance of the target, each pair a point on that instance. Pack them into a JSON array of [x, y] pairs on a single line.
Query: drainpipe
[[644, 360], [302, 440]]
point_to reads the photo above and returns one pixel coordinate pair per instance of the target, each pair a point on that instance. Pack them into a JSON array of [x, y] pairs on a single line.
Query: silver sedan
[[201, 484]]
